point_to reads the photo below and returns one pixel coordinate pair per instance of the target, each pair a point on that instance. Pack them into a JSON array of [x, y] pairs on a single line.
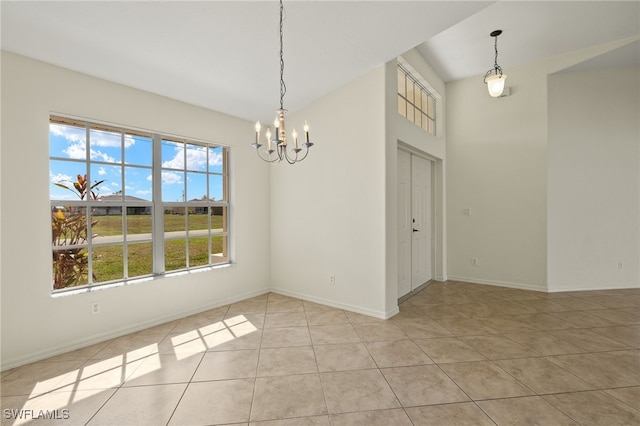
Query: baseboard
[[507, 284], [82, 343], [542, 289], [338, 305], [414, 292], [564, 289]]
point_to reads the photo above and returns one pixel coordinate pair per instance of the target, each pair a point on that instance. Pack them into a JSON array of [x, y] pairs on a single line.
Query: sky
[[124, 164]]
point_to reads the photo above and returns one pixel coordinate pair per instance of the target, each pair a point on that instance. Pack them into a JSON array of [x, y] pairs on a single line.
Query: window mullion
[[158, 208], [184, 200], [88, 208], [123, 210]]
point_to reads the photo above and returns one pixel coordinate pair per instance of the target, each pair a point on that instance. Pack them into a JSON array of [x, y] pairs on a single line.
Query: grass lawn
[[108, 261]]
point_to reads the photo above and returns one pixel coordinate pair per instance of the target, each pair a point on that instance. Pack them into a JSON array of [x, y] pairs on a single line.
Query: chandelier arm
[[265, 159], [306, 151], [285, 156], [295, 159]]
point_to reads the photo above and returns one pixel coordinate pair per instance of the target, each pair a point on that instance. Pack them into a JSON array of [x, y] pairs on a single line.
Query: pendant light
[[495, 78]]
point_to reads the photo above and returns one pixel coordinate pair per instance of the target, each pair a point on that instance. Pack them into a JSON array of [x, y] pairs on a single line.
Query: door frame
[[437, 241]]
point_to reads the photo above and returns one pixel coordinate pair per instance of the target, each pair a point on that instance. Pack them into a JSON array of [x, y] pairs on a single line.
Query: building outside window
[[128, 204]]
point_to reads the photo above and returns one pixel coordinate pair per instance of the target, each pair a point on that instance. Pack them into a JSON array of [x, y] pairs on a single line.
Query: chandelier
[[277, 147], [494, 78]]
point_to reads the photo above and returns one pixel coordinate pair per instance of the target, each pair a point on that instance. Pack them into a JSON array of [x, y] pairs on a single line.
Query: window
[[415, 102], [129, 204]]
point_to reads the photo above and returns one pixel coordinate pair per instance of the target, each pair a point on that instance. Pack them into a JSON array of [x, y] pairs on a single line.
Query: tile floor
[[456, 354]]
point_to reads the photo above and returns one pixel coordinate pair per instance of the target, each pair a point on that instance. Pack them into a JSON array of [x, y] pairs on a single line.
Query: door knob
[[415, 230]]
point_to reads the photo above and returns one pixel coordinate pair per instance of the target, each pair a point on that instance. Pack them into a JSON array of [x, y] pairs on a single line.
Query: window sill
[[99, 287]]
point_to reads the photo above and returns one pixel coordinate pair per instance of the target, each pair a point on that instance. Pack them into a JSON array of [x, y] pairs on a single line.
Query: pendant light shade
[[495, 84]]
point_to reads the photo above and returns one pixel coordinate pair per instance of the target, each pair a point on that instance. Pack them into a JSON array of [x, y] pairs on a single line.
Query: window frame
[[156, 206], [418, 87]]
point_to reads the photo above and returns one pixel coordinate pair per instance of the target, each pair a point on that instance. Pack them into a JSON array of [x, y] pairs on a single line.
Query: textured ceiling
[[223, 55]]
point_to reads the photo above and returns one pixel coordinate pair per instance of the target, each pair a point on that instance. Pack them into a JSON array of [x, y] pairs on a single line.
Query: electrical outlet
[[474, 261], [95, 308], [332, 279]]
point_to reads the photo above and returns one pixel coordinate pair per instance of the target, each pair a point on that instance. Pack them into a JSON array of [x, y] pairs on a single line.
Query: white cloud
[[101, 156], [196, 158], [177, 162], [215, 159], [110, 140], [77, 149], [102, 171], [73, 134], [60, 177], [171, 178], [128, 141]]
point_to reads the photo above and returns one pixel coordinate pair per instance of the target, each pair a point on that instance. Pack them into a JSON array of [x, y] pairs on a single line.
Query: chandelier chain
[[283, 87]]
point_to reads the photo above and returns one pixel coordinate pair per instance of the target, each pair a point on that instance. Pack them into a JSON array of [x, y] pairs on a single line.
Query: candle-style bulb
[[306, 131], [258, 126], [268, 133], [294, 134]]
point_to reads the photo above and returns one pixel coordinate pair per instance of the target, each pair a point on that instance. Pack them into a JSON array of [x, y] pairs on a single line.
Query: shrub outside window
[[127, 204]]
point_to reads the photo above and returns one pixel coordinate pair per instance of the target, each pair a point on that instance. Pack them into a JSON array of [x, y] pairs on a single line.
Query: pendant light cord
[[496, 68], [283, 87], [496, 60]]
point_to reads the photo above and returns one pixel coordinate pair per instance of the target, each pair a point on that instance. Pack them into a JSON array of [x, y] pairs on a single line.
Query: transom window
[[128, 204], [415, 102]]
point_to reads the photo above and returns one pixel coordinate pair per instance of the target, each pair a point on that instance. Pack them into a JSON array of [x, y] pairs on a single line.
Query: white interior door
[[421, 221], [414, 222], [404, 223]]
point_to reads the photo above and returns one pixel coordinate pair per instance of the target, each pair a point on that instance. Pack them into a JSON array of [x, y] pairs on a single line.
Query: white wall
[[509, 161], [594, 170], [342, 219], [496, 167], [328, 212], [35, 325]]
